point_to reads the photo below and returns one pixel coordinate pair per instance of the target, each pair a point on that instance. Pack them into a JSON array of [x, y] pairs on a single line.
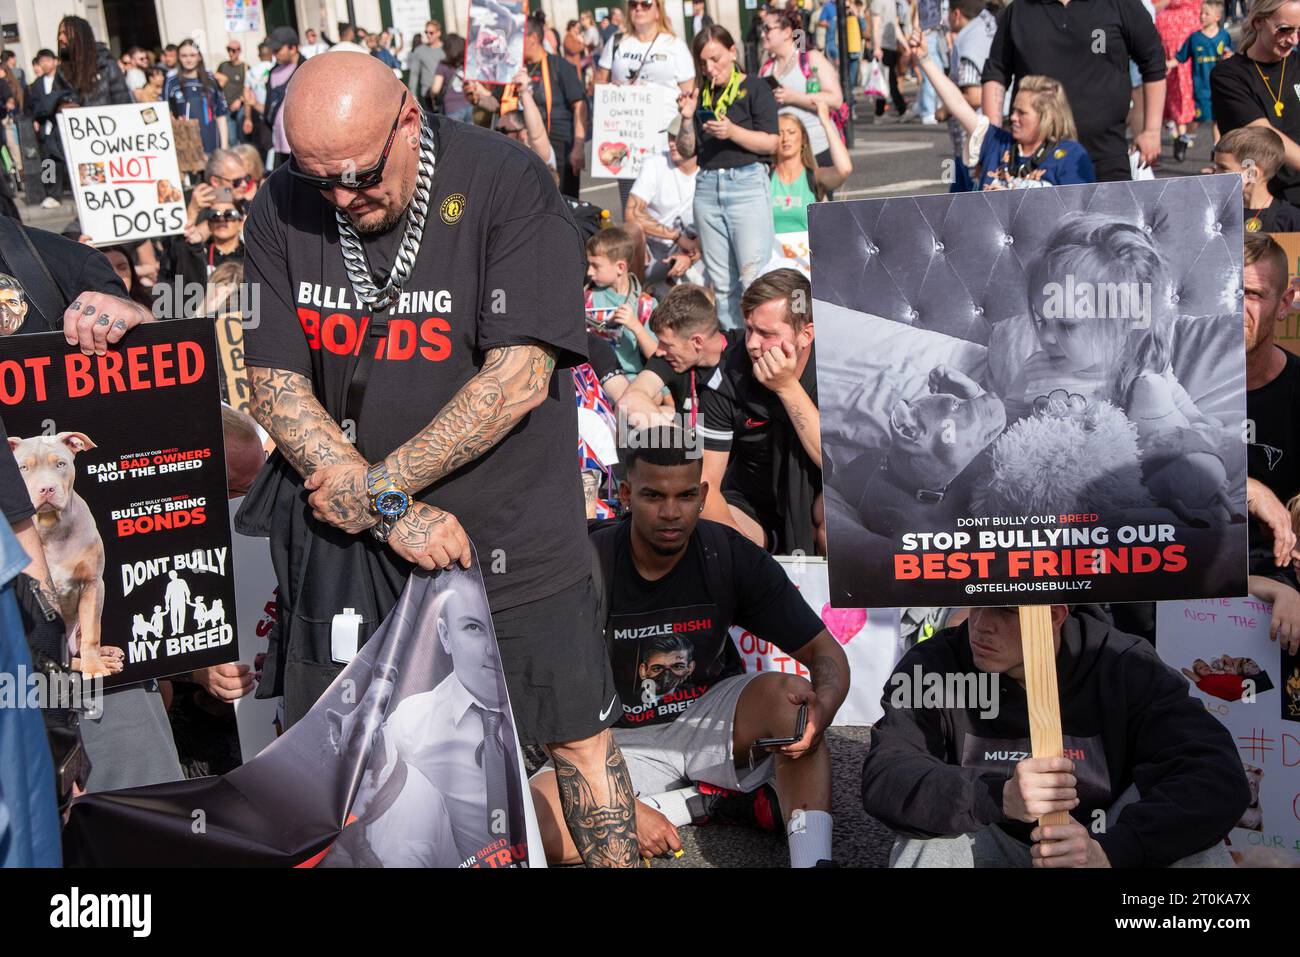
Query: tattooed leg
[[597, 801]]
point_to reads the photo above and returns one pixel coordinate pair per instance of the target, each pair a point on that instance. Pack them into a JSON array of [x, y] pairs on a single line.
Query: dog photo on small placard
[[1031, 396], [123, 460]]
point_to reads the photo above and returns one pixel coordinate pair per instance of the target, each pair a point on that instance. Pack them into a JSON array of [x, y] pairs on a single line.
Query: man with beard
[[408, 404], [674, 586], [1273, 455]]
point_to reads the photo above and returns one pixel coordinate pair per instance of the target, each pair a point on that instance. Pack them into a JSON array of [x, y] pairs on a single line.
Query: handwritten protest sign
[[1252, 686], [629, 123], [869, 639], [122, 163]]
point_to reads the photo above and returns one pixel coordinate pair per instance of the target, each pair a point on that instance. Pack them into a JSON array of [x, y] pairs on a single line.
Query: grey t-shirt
[[895, 21]]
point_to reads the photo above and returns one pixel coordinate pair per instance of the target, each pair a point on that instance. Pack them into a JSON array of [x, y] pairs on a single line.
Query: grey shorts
[[695, 747]]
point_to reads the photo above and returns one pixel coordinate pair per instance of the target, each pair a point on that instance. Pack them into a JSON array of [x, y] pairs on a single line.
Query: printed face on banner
[[123, 460], [122, 160], [1252, 686], [494, 50], [408, 759], [1033, 396]]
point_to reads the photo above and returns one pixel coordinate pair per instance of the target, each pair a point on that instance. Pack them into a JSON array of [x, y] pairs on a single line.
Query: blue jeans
[[465, 114], [235, 125], [733, 213], [927, 100]]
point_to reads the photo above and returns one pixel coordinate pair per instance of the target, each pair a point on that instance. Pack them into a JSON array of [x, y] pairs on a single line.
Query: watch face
[[391, 503]]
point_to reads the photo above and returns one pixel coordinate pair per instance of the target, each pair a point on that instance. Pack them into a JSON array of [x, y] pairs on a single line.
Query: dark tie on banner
[[492, 758], [385, 770]]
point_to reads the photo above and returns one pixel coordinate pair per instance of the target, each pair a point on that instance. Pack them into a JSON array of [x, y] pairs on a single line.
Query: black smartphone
[[705, 116], [773, 82], [800, 725]]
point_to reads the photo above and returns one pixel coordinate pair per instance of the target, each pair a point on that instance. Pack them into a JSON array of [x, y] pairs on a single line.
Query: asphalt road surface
[[889, 159]]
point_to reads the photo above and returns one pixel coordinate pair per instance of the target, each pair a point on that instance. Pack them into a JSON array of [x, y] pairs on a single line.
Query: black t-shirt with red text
[[669, 639], [500, 264]]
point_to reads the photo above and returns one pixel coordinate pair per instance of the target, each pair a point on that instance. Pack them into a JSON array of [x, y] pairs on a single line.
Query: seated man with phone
[[703, 740]]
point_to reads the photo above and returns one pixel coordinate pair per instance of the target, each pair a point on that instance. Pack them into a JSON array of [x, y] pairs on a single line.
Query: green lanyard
[[729, 94]]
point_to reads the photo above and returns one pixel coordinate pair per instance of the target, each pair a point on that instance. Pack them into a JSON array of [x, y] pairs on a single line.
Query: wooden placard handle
[[1041, 691]]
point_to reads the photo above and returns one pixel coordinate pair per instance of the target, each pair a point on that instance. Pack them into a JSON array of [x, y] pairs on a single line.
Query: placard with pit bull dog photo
[[1032, 396], [123, 458]]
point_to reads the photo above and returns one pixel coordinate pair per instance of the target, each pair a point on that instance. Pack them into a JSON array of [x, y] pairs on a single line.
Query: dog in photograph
[[73, 548], [936, 453]]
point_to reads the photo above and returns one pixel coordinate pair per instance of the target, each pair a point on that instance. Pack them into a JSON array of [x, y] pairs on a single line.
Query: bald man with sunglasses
[[420, 282]]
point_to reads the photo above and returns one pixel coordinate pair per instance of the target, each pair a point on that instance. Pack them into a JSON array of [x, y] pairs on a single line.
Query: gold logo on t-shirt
[[453, 208]]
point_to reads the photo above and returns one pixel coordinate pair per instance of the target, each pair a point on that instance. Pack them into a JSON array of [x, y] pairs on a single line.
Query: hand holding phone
[[800, 726]]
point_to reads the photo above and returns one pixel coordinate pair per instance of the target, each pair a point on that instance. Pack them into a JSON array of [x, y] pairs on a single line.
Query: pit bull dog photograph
[[73, 548], [923, 478]]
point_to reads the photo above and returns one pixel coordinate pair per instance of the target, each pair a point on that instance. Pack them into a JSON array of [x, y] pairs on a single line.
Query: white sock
[[809, 833], [672, 804]]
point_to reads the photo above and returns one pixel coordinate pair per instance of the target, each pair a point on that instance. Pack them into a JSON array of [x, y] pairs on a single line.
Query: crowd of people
[[699, 336]]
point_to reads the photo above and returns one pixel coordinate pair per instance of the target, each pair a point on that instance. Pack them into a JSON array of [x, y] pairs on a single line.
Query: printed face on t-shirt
[[668, 663]]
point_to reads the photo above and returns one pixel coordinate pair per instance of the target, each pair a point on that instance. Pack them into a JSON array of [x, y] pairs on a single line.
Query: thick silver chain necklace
[[373, 296]]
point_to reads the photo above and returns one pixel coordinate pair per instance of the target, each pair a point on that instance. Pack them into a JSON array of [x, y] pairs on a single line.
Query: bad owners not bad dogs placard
[[1033, 396], [122, 456]]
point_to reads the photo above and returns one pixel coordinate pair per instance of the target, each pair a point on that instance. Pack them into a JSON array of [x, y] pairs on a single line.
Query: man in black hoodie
[[1149, 777]]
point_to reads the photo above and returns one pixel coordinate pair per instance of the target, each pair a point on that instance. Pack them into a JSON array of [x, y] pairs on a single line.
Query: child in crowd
[[1256, 154], [1205, 48], [614, 298], [1102, 318], [1101, 322]]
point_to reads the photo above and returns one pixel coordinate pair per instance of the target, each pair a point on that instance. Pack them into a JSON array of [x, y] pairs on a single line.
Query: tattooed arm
[[284, 404], [602, 822], [513, 381], [829, 668]]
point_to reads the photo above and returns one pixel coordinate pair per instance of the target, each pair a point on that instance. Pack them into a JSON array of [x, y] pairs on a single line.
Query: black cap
[[282, 36]]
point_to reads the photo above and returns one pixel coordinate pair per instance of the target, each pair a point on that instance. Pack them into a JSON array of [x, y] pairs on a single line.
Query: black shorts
[[767, 520], [556, 667]]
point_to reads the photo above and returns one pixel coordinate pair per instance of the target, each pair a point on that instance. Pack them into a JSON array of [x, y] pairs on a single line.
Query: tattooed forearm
[[686, 138], [604, 834], [512, 382], [285, 406], [806, 420]]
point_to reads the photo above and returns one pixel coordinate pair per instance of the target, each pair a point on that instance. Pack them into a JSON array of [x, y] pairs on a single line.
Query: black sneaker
[[1180, 149], [714, 805]]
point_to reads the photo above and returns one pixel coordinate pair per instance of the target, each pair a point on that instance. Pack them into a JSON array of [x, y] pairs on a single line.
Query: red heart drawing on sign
[[612, 155], [844, 623]]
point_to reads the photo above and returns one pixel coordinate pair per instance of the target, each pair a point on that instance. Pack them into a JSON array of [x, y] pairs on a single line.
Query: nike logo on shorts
[[605, 714]]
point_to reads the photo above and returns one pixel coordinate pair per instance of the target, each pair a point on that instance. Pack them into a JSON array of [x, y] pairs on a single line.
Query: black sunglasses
[[221, 215], [362, 179]]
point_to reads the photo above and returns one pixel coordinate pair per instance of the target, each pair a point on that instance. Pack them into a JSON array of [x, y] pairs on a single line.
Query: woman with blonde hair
[[797, 180], [1258, 86], [1039, 149]]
